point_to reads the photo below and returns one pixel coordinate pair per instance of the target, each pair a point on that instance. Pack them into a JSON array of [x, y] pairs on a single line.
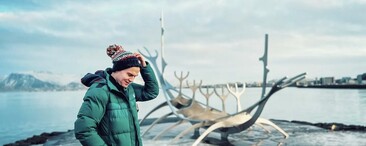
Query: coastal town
[[324, 82]]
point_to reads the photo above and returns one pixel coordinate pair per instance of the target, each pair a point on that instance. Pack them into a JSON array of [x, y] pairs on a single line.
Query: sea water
[[24, 114]]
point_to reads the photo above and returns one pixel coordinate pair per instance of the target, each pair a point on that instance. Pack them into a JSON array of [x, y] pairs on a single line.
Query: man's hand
[[141, 58]]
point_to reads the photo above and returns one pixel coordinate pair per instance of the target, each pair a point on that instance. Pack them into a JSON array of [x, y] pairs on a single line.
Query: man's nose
[[132, 78]]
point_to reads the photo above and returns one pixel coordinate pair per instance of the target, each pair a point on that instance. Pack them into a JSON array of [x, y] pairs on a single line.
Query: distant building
[[327, 80], [316, 82], [338, 81], [345, 80], [352, 81], [361, 79]]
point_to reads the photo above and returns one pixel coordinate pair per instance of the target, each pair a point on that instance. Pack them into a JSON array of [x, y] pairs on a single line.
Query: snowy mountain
[[55, 78], [40, 81]]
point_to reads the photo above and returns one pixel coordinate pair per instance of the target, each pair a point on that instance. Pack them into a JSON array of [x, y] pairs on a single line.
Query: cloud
[[215, 39]]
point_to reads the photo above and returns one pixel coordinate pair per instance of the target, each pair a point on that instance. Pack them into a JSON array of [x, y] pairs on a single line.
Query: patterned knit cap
[[121, 58]]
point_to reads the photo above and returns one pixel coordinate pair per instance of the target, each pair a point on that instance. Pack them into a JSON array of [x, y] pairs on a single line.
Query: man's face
[[126, 76]]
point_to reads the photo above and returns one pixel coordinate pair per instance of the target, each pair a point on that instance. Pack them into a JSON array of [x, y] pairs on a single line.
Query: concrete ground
[[300, 133]]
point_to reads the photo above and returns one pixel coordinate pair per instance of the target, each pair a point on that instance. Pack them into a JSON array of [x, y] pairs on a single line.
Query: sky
[[214, 40]]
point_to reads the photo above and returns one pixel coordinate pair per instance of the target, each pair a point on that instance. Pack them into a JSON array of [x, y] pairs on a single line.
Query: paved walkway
[[300, 134]]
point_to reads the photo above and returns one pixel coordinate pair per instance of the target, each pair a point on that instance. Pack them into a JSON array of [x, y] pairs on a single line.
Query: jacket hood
[[89, 78]]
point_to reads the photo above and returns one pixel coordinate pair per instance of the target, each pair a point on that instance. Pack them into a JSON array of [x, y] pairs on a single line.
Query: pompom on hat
[[121, 58]]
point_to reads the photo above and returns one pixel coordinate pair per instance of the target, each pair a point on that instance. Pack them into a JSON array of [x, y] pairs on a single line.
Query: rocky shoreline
[[334, 126], [44, 137], [36, 139], [57, 138]]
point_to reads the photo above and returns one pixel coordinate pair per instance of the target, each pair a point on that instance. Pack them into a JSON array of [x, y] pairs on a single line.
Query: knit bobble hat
[[121, 58]]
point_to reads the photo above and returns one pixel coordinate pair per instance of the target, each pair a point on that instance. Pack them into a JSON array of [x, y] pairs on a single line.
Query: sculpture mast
[[264, 58], [163, 63]]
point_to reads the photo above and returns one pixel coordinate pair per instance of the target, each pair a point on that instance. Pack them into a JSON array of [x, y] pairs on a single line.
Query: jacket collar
[[113, 85]]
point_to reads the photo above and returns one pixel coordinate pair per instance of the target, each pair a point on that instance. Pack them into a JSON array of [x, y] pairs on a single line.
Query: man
[[108, 115]]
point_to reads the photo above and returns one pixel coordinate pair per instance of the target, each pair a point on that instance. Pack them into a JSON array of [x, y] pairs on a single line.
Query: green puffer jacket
[[109, 116]]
